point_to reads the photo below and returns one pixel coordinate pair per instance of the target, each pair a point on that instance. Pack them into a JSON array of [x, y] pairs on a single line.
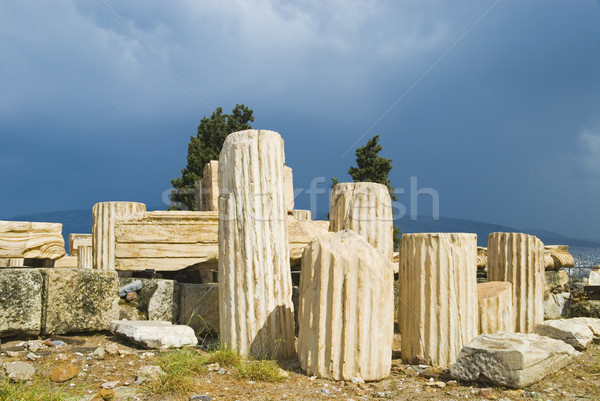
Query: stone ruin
[[230, 268]]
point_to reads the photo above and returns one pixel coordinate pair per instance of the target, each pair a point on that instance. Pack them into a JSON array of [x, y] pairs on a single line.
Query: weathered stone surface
[[19, 371], [155, 334], [255, 287], [199, 307], [555, 282], [158, 298], [85, 257], [301, 214], [495, 307], [301, 233], [594, 278], [209, 187], [25, 239], [346, 312], [20, 301], [556, 305], [166, 241], [103, 230], [288, 188], [66, 261], [78, 240], [519, 259], [79, 300], [511, 359], [366, 208], [63, 372], [560, 255], [481, 257], [438, 295], [577, 332]]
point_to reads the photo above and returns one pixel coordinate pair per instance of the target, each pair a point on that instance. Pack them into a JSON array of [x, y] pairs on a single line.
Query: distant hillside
[[80, 221]]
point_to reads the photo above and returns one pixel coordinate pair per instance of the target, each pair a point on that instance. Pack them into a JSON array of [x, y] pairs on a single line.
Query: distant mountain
[[80, 221], [425, 224]]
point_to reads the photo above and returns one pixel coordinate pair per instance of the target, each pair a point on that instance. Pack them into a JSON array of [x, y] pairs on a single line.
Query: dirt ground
[[578, 381]]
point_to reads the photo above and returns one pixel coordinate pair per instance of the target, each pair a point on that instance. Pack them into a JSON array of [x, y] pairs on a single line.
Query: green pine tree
[[204, 147], [373, 168]]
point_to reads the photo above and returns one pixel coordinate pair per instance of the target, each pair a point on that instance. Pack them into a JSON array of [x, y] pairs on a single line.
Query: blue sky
[[493, 104]]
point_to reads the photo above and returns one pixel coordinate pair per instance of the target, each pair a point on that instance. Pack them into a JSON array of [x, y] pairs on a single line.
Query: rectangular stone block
[[199, 307], [156, 334], [158, 298], [78, 300], [20, 301]]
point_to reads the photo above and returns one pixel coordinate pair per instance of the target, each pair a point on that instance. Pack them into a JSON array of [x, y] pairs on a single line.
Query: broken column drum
[[366, 208], [103, 230], [519, 259], [346, 308], [495, 307], [255, 287], [438, 295], [85, 257]]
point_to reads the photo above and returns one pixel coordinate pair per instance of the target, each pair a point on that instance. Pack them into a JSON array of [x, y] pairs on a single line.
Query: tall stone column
[[438, 295], [495, 307], [85, 257], [255, 287], [519, 259], [103, 230], [346, 312], [366, 208]]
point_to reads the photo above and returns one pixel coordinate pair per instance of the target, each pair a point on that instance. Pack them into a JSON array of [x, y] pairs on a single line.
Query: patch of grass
[[259, 370], [225, 358], [33, 391], [181, 368]]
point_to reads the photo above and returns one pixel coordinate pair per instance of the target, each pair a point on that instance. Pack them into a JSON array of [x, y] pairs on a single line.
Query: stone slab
[[577, 332], [79, 300], [20, 301], [511, 359], [158, 298], [155, 334]]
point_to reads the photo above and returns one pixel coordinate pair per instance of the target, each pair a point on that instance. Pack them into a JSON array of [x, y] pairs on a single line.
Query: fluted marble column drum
[[438, 295], [495, 307], [103, 230], [255, 287]]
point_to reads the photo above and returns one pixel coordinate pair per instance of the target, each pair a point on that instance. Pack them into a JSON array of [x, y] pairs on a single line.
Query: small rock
[[48, 343], [61, 357], [105, 394], [131, 287], [435, 384], [12, 354], [514, 393], [112, 349], [323, 391], [148, 373], [199, 398], [99, 353], [124, 352], [357, 380], [33, 357], [222, 371], [283, 373], [485, 392], [213, 367], [110, 385], [131, 296], [381, 394], [147, 355], [59, 343], [63, 373], [19, 371]]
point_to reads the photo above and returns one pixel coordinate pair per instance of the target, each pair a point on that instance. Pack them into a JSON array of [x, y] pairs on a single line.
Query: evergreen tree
[[204, 147], [373, 168]]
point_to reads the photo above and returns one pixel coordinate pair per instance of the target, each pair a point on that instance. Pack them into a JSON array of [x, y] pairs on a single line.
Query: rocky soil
[[104, 367]]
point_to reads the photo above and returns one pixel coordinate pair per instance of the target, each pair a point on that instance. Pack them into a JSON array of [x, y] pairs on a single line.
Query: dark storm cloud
[[505, 127]]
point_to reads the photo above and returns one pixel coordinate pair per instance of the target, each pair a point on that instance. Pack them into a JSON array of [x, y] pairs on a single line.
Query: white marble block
[[346, 311], [366, 208], [519, 259], [495, 307], [255, 288], [438, 295], [103, 230]]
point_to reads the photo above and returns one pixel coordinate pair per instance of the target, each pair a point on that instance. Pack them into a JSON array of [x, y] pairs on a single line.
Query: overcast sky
[[493, 104]]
